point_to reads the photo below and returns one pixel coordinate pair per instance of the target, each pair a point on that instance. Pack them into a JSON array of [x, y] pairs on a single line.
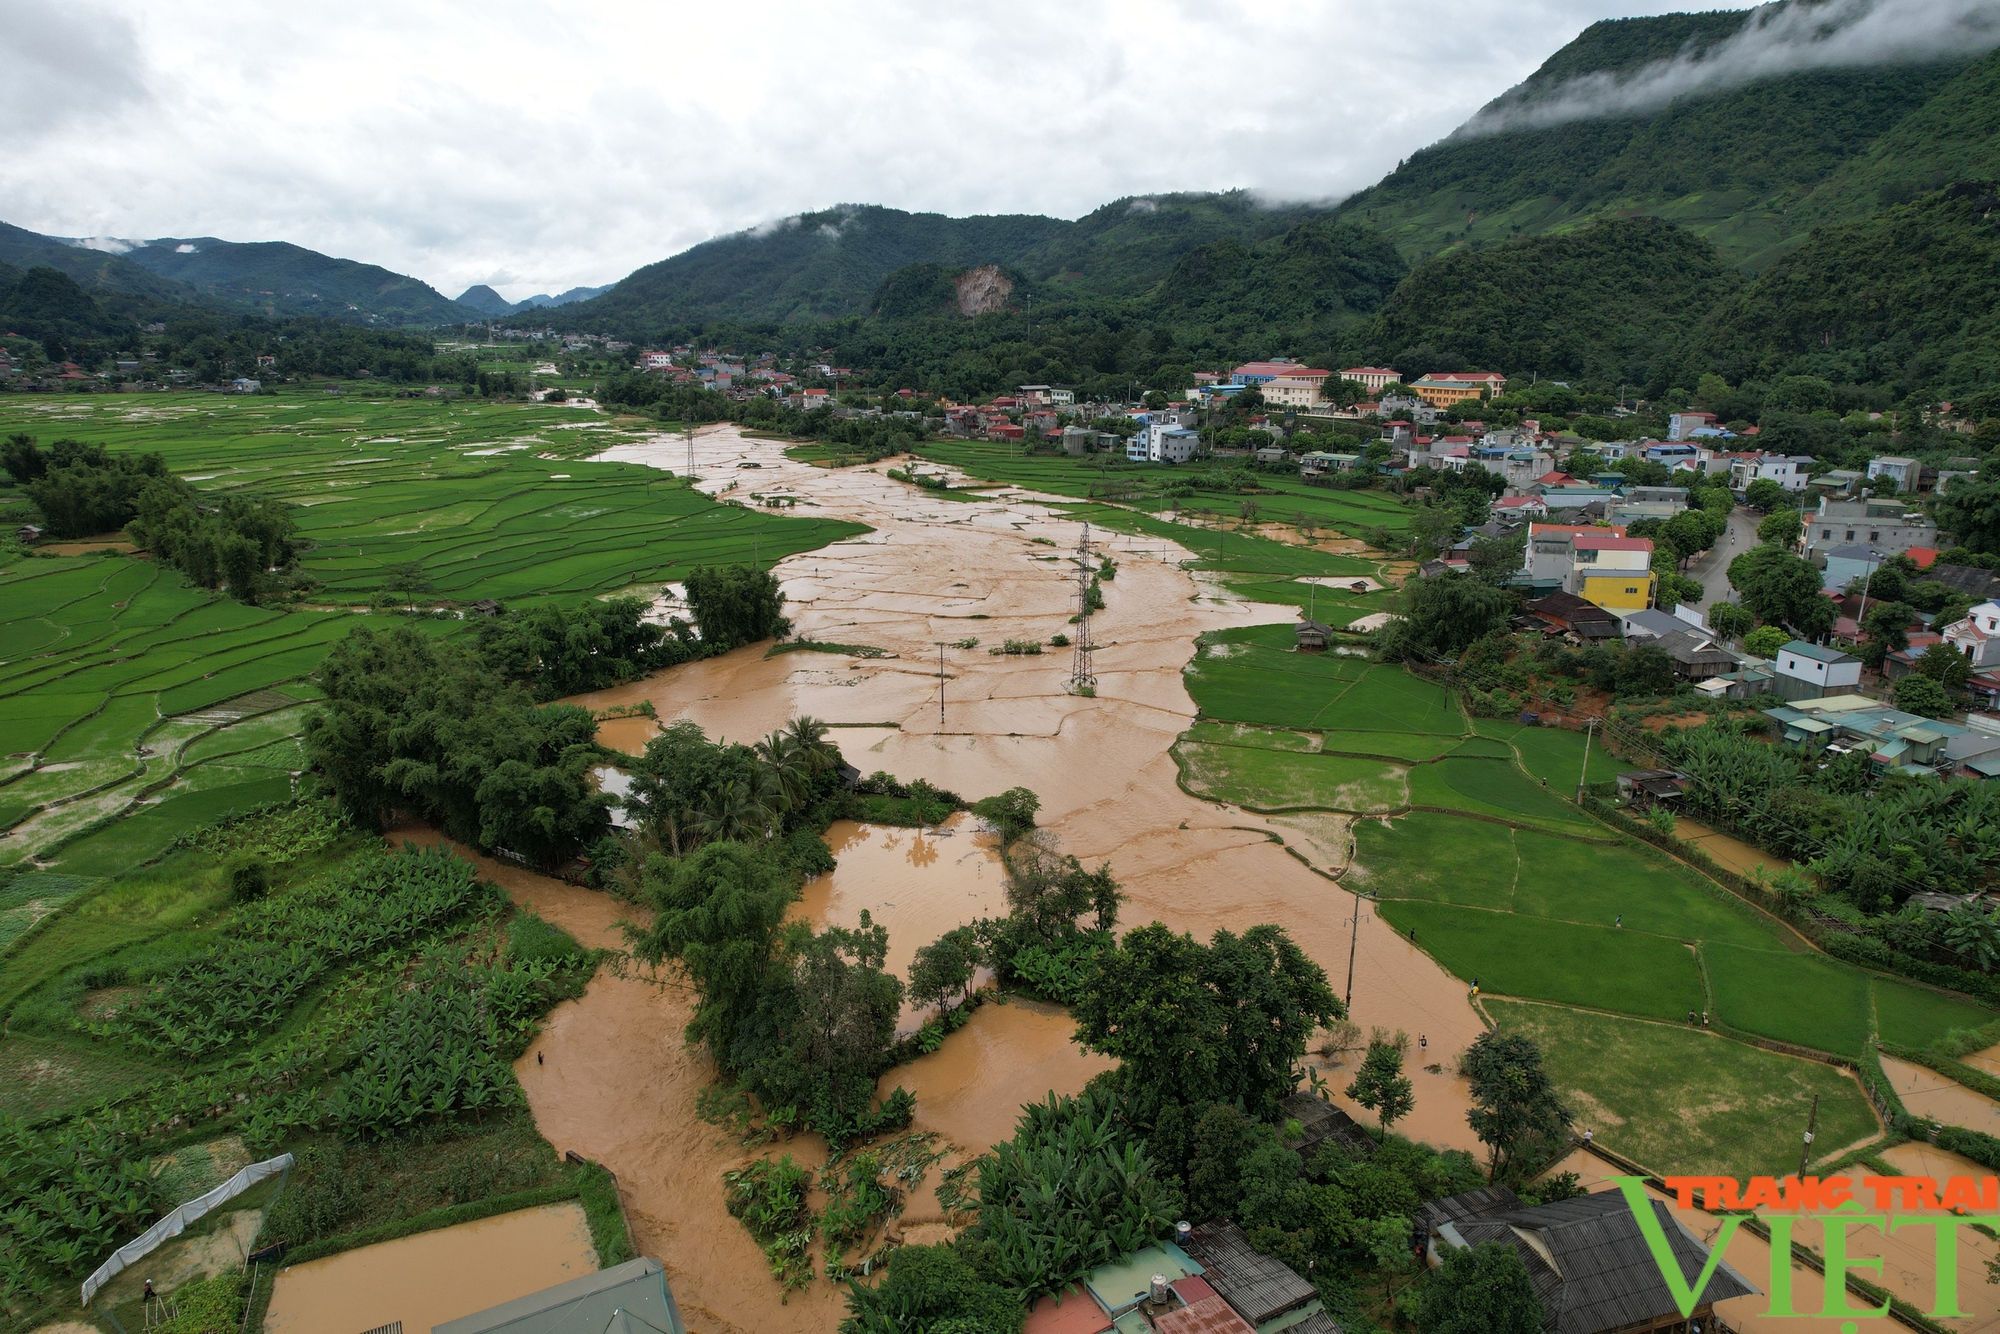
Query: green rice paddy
[[1506, 881], [122, 681], [1683, 1101]]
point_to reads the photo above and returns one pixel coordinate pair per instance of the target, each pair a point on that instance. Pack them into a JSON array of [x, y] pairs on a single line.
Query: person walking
[[1423, 1043], [1620, 921]]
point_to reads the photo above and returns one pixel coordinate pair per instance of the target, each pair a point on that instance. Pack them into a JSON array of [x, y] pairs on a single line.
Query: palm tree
[[730, 813], [809, 735], [786, 768]]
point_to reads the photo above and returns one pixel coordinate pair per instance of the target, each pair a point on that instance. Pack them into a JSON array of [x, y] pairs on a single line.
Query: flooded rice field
[[1927, 1093], [433, 1277], [614, 1080]]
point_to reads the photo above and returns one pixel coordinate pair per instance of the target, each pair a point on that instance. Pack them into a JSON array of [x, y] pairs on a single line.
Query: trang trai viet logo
[[1843, 1207]]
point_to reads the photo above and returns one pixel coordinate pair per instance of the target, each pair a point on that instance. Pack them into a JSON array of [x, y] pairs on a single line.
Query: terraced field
[[123, 686], [1463, 833]]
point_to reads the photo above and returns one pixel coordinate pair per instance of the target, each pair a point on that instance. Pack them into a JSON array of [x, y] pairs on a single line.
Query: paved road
[[1712, 567]]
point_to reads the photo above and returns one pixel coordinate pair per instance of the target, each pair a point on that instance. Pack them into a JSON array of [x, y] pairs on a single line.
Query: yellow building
[[1615, 573], [1441, 389]]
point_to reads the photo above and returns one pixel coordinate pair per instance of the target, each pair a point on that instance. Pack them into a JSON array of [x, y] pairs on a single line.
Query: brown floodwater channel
[[432, 1277], [611, 1076]]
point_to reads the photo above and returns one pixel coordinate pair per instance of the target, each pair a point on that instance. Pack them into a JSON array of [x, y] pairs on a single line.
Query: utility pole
[[1353, 940], [942, 645], [1081, 673], [1588, 732], [1812, 1124]]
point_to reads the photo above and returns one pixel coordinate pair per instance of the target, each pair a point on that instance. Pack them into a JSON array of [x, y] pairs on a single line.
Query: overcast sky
[[541, 146]]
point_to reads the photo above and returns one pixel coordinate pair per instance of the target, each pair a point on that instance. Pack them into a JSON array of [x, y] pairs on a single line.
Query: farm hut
[[1320, 1121], [1313, 635], [1573, 615], [485, 607], [632, 1298], [1260, 1288], [28, 534], [1647, 787], [1587, 1259]]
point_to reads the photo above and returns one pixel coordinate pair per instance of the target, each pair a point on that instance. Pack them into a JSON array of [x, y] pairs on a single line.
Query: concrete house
[[1809, 671], [1614, 572], [1907, 474], [1978, 635], [1889, 526]]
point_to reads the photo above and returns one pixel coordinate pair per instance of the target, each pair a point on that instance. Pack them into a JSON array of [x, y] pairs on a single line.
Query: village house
[[1614, 572], [1810, 671], [1787, 470], [1683, 425], [1571, 615], [1885, 524], [1907, 474], [1977, 636], [1587, 1259]]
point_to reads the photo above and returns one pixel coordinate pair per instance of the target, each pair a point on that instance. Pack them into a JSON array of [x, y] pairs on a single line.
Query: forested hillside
[[277, 278], [272, 278], [1608, 303], [828, 265], [1732, 166], [1905, 299]]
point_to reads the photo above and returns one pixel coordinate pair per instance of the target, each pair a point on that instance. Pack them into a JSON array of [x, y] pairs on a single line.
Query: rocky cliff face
[[983, 290]]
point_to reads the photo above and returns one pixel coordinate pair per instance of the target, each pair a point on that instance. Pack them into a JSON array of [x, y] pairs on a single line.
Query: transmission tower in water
[[1081, 674]]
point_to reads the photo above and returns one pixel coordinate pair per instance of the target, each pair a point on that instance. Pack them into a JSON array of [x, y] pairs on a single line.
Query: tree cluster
[[425, 726]]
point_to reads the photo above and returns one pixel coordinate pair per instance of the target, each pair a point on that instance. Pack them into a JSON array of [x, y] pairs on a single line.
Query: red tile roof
[[1594, 541]]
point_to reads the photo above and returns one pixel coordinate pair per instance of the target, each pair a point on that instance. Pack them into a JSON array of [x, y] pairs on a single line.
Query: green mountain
[[1737, 167], [1607, 302], [280, 279], [1296, 288], [94, 270], [1903, 299], [830, 265]]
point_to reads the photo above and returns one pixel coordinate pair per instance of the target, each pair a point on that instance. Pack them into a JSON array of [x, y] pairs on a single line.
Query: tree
[[1485, 1290], [1729, 620], [1496, 559], [1380, 1085], [945, 967], [1221, 1022], [931, 1288], [719, 913], [1919, 694], [1443, 615], [1969, 509], [1764, 494], [1645, 670], [1888, 625], [1011, 814], [1780, 528], [1945, 665], [1674, 589], [735, 605], [1974, 936], [410, 580], [1392, 1246], [1514, 1102], [1779, 586], [1434, 527]]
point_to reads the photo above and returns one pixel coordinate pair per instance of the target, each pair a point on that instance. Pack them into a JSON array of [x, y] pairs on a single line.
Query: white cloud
[[1777, 39], [541, 146]]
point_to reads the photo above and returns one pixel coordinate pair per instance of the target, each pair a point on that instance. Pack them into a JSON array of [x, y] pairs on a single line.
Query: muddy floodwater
[[919, 883], [1732, 853], [615, 1081], [433, 1277], [1927, 1093]]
